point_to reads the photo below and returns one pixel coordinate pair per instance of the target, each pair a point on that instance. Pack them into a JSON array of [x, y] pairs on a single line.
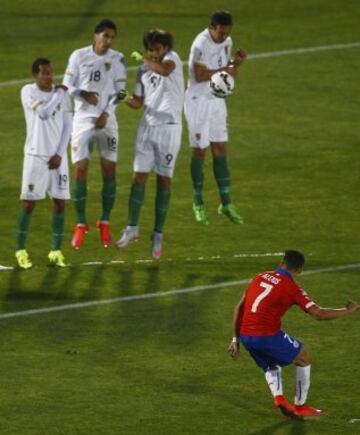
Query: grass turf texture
[[160, 366]]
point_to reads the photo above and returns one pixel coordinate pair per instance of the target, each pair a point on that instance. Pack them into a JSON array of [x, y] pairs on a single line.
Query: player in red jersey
[[257, 324]]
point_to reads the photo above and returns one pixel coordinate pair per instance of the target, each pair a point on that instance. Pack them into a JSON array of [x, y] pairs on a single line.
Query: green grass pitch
[[159, 365]]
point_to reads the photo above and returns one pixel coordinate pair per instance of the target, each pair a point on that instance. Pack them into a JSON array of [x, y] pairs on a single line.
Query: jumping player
[[95, 76], [160, 90], [206, 114], [257, 323]]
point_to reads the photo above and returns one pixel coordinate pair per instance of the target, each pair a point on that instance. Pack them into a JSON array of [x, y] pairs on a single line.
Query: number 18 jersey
[[268, 297], [103, 74]]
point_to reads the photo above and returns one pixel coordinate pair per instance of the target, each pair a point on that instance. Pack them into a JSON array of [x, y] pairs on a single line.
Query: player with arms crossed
[[48, 116], [160, 90], [96, 77], [257, 323], [207, 115]]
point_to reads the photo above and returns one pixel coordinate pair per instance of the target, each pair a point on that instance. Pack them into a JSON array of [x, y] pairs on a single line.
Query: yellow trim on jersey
[[36, 104]]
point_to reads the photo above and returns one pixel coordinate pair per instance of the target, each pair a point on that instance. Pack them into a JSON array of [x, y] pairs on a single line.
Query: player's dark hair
[[158, 36], [105, 24], [35, 68], [221, 18], [294, 260]]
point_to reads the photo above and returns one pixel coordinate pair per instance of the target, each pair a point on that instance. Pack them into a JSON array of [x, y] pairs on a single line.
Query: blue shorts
[[279, 349]]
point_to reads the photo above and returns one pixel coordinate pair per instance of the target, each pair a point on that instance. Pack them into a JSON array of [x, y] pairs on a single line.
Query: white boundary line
[[251, 56], [162, 294], [169, 260]]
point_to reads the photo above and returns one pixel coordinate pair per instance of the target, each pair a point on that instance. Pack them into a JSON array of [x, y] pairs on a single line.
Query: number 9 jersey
[[268, 297]]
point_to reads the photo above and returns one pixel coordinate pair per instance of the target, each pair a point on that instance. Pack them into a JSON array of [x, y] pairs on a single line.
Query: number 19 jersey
[[268, 297]]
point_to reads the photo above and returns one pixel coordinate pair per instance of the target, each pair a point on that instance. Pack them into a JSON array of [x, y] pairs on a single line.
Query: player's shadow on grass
[[152, 284], [27, 287], [290, 427], [95, 283], [56, 283], [125, 285]]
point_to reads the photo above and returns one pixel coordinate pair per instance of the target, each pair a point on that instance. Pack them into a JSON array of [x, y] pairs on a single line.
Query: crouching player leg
[[257, 322]]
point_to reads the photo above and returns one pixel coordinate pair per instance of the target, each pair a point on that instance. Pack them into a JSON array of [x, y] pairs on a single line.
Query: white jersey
[[44, 116], [205, 51], [164, 95], [87, 71]]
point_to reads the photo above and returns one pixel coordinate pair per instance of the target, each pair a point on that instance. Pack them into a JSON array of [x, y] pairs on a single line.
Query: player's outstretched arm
[[319, 313]]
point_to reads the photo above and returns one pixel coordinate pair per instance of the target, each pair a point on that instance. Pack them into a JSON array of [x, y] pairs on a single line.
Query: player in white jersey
[[48, 115], [96, 77], [160, 90], [207, 115]]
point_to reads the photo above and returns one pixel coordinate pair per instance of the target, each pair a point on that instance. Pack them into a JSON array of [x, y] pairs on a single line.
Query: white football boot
[[130, 234], [156, 250]]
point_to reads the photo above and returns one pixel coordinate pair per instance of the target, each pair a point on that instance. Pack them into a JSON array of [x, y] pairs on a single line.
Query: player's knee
[[303, 359], [199, 153], [28, 206], [218, 149], [108, 169], [307, 359], [164, 182], [81, 169], [59, 205], [139, 178]]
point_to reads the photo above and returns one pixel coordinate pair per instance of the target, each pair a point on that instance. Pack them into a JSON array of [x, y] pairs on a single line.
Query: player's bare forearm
[[238, 313], [333, 313], [89, 97], [235, 63], [102, 120], [203, 74], [135, 102], [54, 161], [234, 346]]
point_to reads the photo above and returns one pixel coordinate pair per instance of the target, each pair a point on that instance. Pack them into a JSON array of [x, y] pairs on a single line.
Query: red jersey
[[268, 297]]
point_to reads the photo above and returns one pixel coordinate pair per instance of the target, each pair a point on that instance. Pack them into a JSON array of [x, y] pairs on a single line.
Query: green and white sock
[[162, 201], [135, 202], [58, 223], [22, 229], [222, 177], [197, 176], [80, 193], [108, 198]]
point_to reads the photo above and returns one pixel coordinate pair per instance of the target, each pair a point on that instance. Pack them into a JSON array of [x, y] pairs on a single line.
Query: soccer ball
[[221, 84]]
